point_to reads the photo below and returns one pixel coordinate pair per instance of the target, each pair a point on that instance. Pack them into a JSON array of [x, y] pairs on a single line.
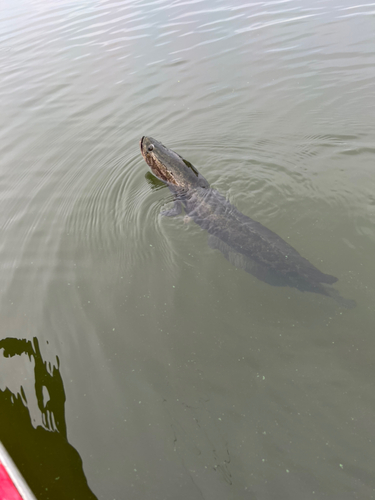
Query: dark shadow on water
[[154, 182], [50, 465]]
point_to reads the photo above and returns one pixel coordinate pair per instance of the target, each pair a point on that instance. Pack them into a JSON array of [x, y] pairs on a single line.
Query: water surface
[[130, 343]]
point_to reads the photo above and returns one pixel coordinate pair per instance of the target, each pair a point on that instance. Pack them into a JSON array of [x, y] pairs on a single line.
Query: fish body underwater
[[246, 243]]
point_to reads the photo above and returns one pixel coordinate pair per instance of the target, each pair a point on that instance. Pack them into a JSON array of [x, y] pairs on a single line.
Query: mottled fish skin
[[243, 241]]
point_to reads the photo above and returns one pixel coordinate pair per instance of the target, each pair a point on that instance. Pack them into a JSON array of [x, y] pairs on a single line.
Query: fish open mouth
[[156, 164]]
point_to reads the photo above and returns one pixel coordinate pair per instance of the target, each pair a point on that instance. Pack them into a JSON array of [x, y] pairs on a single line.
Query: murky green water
[[126, 341]]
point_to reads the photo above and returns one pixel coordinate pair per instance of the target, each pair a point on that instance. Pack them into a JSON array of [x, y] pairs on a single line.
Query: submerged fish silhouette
[[247, 244]]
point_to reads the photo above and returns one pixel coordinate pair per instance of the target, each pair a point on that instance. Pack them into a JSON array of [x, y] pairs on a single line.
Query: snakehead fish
[[247, 244]]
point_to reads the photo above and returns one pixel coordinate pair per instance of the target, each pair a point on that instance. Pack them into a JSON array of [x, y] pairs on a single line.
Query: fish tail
[[328, 279]]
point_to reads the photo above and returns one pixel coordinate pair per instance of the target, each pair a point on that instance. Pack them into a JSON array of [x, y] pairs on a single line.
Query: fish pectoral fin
[[175, 210], [213, 242]]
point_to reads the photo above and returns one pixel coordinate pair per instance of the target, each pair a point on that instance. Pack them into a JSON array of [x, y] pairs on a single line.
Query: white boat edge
[[14, 474]]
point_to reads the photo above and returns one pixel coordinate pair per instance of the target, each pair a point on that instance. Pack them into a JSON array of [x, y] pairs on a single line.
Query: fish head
[[169, 166]]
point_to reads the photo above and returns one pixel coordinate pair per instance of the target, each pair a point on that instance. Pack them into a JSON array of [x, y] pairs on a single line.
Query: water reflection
[[44, 448], [154, 182]]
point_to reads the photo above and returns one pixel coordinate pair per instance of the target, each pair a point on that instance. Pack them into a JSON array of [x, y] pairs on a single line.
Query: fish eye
[[150, 148]]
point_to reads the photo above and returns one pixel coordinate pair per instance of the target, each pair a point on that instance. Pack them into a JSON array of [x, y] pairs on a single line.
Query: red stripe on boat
[[7, 489], [12, 484]]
